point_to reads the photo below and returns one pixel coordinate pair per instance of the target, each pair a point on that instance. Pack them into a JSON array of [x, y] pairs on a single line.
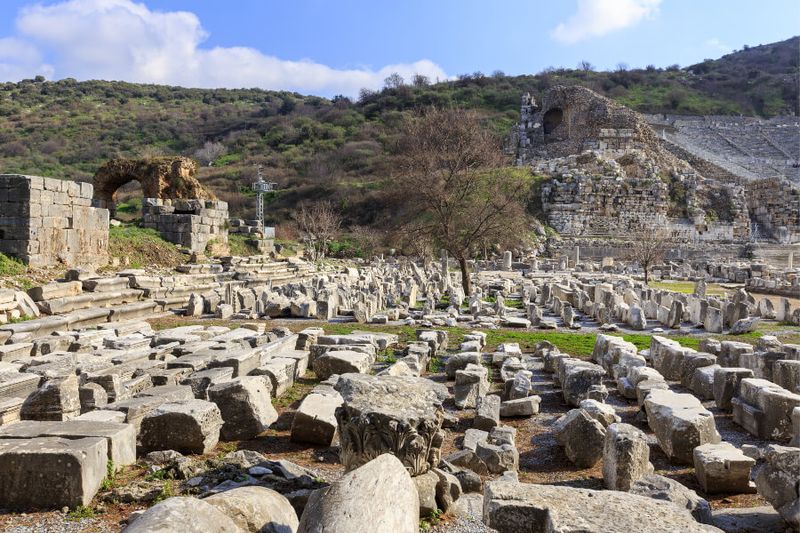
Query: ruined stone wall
[[189, 223], [47, 222], [774, 204], [592, 206]]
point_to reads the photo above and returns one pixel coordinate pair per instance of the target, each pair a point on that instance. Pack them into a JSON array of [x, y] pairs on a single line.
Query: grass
[[686, 287], [577, 344], [137, 247], [239, 245], [10, 266], [80, 512]]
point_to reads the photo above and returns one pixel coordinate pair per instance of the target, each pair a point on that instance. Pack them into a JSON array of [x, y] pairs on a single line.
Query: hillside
[[336, 149]]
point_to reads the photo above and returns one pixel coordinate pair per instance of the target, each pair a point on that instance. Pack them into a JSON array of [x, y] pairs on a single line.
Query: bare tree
[[394, 81], [585, 66], [648, 247], [210, 152], [453, 188], [320, 224], [420, 80]]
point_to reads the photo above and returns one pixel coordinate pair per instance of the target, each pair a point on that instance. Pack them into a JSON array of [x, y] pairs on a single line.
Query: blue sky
[[326, 47]]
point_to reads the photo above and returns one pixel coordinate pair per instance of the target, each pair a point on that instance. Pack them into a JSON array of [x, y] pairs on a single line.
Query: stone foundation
[[189, 223], [47, 222]]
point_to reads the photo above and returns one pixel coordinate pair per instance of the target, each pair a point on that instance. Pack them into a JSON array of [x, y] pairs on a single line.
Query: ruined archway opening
[[552, 119], [127, 202]]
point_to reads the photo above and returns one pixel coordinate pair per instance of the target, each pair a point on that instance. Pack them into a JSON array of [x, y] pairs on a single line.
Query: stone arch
[[160, 177], [552, 119]]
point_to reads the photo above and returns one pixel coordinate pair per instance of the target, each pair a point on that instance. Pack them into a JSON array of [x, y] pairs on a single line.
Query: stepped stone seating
[[680, 423]]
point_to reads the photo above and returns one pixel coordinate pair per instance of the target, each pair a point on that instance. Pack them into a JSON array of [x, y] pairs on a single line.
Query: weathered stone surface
[[378, 496], [57, 399], [471, 384], [626, 456], [185, 514], [341, 362], [777, 482], [256, 509], [498, 457], [188, 427], [680, 423], [577, 378], [246, 407], [664, 488], [487, 413], [582, 437], [121, 437], [390, 414], [726, 384], [515, 507], [765, 409], [459, 361], [602, 412], [722, 468], [527, 406], [426, 490], [315, 419], [51, 472]]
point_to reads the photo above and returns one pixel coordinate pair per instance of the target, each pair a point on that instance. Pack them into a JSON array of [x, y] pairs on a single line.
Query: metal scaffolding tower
[[261, 187]]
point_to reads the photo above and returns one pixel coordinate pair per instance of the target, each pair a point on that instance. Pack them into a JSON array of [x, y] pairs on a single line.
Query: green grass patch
[[137, 247], [10, 266], [239, 244], [576, 344], [686, 287]]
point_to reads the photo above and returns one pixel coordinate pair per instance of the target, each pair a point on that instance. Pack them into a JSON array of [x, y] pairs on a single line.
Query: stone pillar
[[577, 255], [507, 260], [791, 260]]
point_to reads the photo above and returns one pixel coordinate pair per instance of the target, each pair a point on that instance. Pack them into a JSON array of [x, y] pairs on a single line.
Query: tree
[[320, 224], [210, 152], [393, 81], [453, 189], [420, 80], [585, 66], [648, 247]]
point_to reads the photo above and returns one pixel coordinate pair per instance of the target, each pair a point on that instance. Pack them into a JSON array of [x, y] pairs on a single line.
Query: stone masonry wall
[[775, 205], [189, 223], [47, 222]]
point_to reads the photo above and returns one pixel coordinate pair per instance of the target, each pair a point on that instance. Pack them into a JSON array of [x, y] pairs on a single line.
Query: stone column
[[507, 260]]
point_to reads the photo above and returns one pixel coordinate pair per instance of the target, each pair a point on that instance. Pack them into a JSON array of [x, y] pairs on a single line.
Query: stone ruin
[[610, 174], [160, 177], [47, 222], [175, 204], [92, 382], [189, 223]]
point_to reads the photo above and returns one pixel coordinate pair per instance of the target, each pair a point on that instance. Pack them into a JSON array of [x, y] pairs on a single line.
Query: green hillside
[[336, 148]]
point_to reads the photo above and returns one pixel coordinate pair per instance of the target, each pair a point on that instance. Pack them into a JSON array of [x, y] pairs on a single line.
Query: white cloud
[[718, 46], [19, 59], [124, 40], [595, 18]]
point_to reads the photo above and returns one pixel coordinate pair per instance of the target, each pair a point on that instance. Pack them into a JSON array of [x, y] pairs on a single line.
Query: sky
[[338, 47]]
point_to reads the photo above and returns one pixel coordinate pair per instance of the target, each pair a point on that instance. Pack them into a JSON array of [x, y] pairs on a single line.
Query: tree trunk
[[646, 276], [465, 281]]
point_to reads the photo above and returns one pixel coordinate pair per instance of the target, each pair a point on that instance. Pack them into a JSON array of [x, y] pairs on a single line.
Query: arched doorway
[[552, 119]]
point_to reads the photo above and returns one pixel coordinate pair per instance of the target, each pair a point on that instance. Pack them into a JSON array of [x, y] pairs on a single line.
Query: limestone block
[[581, 436], [722, 468], [341, 362], [245, 405], [315, 419], [680, 423], [57, 399], [626, 456], [188, 427], [173, 514], [487, 413], [256, 509], [777, 483], [51, 472], [471, 384]]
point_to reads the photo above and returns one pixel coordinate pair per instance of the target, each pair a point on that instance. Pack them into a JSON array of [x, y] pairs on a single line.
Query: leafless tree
[[420, 80], [394, 81], [454, 191], [585, 66], [648, 247], [320, 224], [210, 152]]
